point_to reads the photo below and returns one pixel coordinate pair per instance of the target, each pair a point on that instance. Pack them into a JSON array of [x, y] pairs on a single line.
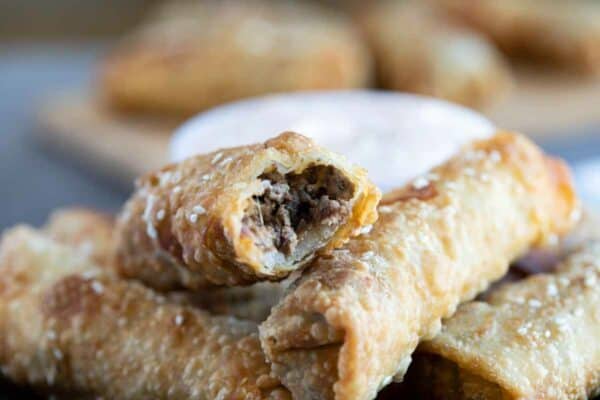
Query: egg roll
[[191, 55], [418, 48], [535, 339], [349, 324], [91, 233], [562, 33], [69, 326], [241, 215]]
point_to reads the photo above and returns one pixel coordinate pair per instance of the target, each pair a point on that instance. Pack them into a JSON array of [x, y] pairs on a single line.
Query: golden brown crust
[[89, 231], [184, 225], [70, 326], [193, 55], [535, 339], [565, 33], [418, 49], [354, 317]]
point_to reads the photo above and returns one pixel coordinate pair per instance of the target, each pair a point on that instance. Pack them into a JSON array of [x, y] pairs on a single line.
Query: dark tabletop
[[35, 180]]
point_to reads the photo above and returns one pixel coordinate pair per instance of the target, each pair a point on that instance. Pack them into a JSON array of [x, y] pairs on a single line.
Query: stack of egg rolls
[[361, 297]]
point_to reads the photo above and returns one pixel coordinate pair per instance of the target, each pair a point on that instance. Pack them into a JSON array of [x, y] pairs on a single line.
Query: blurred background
[[51, 49]]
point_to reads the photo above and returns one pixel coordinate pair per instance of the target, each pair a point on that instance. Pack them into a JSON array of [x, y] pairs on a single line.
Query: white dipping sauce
[[394, 136]]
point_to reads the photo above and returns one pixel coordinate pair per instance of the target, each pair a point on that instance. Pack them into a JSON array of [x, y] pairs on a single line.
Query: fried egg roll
[[564, 33], [68, 326], [91, 233], [349, 324], [242, 215], [192, 55], [418, 48], [535, 339]]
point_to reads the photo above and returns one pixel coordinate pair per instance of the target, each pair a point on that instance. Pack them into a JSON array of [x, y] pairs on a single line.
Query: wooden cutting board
[[543, 105]]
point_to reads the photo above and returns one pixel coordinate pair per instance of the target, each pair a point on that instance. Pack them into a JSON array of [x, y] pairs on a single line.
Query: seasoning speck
[[420, 183]]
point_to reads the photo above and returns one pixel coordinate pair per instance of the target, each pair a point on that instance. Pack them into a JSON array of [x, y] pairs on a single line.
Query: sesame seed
[[365, 229], [57, 354], [177, 189], [590, 280], [150, 230], [420, 183], [205, 177], [547, 333], [469, 172], [385, 209], [179, 319], [160, 215], [193, 218], [535, 303], [97, 287], [225, 161], [551, 290], [216, 158], [495, 156], [51, 335], [522, 330], [199, 209], [451, 185]]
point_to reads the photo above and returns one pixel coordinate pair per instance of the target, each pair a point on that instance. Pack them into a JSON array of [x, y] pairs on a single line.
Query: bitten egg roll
[[350, 323], [68, 326], [535, 339], [565, 33], [243, 214]]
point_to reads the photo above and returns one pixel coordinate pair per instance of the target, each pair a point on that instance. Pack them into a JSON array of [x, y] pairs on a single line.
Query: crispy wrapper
[[349, 325], [67, 325], [535, 339], [88, 231], [566, 33], [91, 233], [419, 49], [242, 215]]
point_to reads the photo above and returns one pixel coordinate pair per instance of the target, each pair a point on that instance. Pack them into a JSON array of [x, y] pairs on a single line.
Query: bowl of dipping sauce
[[395, 136]]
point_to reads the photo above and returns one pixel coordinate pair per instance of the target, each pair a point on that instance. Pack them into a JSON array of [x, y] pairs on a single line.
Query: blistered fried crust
[[193, 55], [535, 339], [566, 33], [419, 49], [67, 325], [241, 215], [88, 231], [351, 322], [91, 233]]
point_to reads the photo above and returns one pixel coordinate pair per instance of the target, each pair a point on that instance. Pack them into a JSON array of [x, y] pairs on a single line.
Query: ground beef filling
[[292, 204]]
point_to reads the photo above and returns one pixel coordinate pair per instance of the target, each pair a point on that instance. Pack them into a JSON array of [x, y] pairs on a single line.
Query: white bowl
[[587, 179], [395, 136]]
